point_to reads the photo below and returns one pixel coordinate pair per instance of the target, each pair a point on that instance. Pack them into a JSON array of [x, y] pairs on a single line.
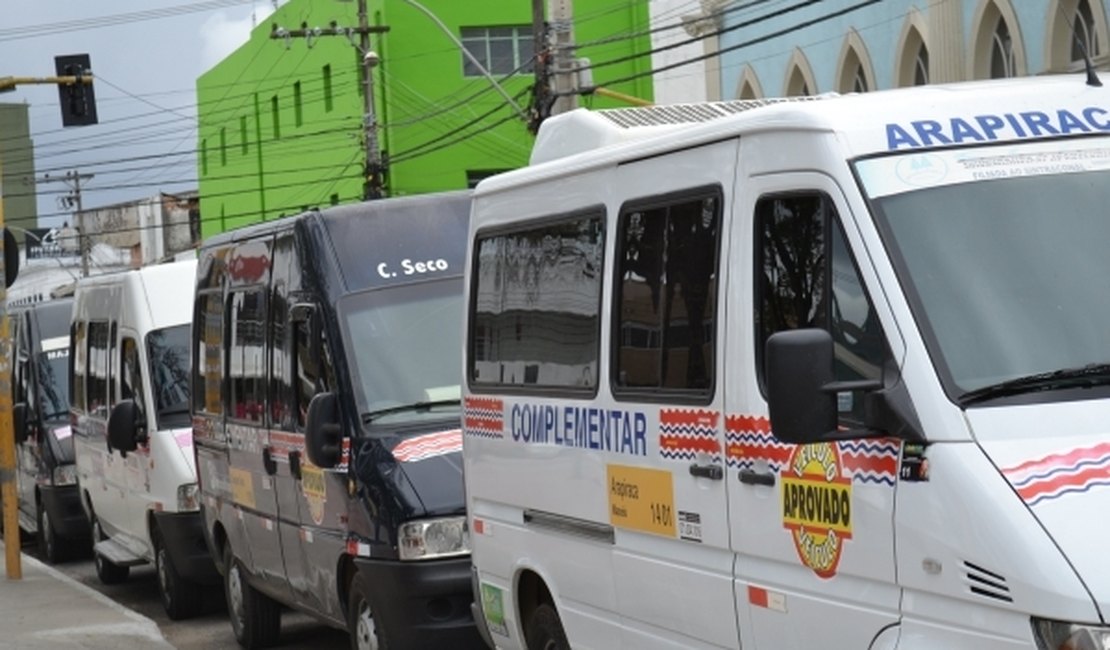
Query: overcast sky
[[145, 70]]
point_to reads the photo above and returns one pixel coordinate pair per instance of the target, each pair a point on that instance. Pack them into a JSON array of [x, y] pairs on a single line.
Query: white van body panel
[[124, 491], [993, 524]]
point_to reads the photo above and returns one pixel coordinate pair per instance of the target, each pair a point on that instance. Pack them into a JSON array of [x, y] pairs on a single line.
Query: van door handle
[[268, 462], [711, 472], [295, 463], [752, 477]]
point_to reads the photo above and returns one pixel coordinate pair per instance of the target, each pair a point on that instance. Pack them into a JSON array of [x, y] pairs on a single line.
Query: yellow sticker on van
[[817, 505], [641, 499], [242, 488], [315, 488]]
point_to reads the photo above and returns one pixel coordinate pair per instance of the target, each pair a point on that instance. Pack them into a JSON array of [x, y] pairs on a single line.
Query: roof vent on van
[[987, 583], [582, 130]]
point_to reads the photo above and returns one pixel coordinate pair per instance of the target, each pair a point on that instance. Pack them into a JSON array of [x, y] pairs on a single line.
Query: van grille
[[690, 113], [987, 583]]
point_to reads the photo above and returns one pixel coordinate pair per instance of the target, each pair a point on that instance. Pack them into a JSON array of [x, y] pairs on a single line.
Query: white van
[[809, 373], [129, 346]]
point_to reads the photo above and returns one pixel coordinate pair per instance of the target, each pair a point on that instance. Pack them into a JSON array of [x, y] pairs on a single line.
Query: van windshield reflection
[[168, 350], [1006, 274], [405, 347]]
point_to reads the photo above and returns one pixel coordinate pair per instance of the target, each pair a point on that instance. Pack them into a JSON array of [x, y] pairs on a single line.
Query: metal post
[[8, 492], [82, 238]]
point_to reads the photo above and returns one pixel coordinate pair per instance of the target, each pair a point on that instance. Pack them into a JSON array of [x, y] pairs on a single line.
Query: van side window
[[247, 355], [535, 315], [310, 377], [77, 365], [806, 277], [284, 277], [666, 294], [96, 385], [130, 375], [113, 361], [208, 367]]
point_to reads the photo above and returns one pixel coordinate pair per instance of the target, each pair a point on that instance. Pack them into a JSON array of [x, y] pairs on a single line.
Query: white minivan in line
[[129, 346], [812, 372]]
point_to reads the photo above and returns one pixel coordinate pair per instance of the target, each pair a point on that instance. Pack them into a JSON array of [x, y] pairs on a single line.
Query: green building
[[282, 118], [17, 160]]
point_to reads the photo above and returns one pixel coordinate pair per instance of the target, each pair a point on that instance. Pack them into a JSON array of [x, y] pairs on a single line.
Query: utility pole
[[73, 180], [541, 89], [374, 170], [566, 83]]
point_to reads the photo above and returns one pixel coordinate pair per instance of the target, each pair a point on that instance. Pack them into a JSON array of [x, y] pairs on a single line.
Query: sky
[[145, 68]]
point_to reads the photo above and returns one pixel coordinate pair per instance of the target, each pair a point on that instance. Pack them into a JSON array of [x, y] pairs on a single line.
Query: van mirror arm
[[890, 409]]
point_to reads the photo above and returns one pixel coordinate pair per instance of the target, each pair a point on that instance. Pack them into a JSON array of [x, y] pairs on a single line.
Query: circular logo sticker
[[817, 506]]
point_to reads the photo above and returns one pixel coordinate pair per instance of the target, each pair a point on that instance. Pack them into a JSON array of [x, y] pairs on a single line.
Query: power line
[[49, 29]]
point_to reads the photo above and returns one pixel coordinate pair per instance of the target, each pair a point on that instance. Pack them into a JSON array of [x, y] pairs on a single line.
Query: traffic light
[[77, 99], [11, 258]]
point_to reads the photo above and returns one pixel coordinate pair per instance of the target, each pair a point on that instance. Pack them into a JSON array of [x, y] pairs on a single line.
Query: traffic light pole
[[78, 109]]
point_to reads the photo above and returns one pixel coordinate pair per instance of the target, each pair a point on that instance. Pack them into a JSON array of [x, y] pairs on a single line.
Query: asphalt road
[[209, 631]]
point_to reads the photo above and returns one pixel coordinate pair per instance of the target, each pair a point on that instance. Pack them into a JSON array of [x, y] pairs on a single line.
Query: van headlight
[[187, 497], [65, 475], [428, 539], [1057, 635]]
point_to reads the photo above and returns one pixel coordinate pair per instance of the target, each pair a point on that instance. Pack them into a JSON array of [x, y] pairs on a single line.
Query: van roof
[[868, 123]]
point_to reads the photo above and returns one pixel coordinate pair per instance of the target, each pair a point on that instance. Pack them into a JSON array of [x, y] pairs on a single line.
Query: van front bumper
[[62, 504], [183, 535], [423, 604]]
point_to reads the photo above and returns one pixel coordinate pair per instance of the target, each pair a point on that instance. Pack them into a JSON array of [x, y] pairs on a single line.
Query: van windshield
[[54, 389], [405, 344], [168, 351], [1002, 253]]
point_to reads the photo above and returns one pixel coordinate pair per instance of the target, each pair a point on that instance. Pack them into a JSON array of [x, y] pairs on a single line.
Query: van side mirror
[[19, 423], [126, 428], [323, 434], [802, 390]]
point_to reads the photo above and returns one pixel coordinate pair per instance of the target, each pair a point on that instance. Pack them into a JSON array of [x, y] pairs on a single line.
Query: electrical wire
[[50, 29]]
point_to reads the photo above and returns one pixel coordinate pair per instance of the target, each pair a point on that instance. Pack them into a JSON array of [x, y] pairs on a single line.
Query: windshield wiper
[[370, 416], [1092, 374]]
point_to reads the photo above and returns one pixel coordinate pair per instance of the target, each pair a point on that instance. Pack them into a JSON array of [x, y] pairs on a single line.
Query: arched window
[[799, 81], [998, 51], [1003, 64], [913, 62], [855, 74], [921, 66], [749, 87], [1084, 35]]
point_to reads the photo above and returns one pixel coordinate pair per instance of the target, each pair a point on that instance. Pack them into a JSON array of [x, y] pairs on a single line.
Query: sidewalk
[[48, 609]]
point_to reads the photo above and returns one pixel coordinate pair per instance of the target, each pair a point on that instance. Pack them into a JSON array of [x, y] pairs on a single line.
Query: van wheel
[[255, 617], [180, 597], [545, 630], [109, 573], [51, 547], [363, 628]]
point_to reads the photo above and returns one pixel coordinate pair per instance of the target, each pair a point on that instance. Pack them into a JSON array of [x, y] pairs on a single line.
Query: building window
[[1003, 64], [328, 105], [243, 134], [536, 313], [298, 112], [223, 146], [274, 111], [1084, 36], [500, 50], [475, 176], [666, 303], [921, 66]]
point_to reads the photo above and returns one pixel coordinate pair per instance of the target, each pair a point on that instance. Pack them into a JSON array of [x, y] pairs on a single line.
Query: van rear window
[[535, 312]]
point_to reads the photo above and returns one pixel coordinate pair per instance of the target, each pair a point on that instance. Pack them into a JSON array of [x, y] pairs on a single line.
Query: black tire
[[52, 547], [365, 631], [545, 630], [180, 597], [255, 617], [108, 572]]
